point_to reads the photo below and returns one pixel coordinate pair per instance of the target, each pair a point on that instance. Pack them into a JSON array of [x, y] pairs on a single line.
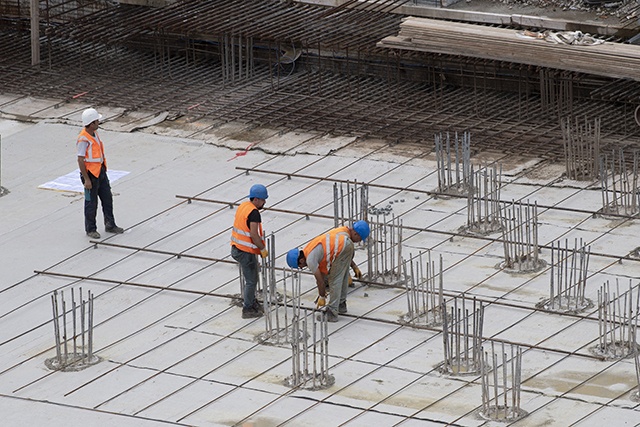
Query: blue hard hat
[[258, 191], [292, 257], [362, 228]]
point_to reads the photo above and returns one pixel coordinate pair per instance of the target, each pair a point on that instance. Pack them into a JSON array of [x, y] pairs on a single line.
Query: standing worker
[[329, 256], [247, 241], [93, 174]]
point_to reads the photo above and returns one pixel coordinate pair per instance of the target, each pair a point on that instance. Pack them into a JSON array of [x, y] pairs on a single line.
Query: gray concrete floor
[[184, 358]]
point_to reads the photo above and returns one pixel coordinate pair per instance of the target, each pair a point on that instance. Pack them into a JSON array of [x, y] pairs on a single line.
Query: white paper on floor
[[71, 181]]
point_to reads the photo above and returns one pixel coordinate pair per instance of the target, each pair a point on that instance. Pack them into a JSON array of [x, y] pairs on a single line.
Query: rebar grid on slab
[[462, 337], [619, 183], [581, 148], [520, 237], [501, 384], [74, 352], [424, 289], [568, 278], [454, 163], [617, 321], [483, 201]]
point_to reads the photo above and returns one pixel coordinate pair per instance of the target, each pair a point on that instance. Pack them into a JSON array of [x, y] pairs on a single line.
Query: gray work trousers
[[339, 276]]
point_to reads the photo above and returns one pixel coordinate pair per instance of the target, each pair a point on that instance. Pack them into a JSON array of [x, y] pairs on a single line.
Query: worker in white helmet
[[93, 174]]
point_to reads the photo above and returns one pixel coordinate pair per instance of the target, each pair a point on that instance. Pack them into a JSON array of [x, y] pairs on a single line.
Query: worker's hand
[[357, 272], [264, 252], [320, 301], [350, 282]]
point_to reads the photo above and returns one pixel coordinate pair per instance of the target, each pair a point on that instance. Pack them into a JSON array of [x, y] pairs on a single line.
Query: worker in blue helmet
[[328, 257], [247, 242]]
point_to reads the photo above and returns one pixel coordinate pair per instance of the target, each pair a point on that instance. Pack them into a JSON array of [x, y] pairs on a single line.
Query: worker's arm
[[83, 171], [356, 270], [255, 235], [322, 291]]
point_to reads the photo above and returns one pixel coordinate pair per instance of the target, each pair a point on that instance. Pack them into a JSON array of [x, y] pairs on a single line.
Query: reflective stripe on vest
[[240, 233], [334, 240], [94, 155]]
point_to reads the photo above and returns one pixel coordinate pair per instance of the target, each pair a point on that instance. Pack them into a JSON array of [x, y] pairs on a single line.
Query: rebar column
[[619, 184], [568, 279], [462, 337], [581, 148], [350, 202], [520, 238], [636, 395], [424, 289], [310, 352], [454, 167], [617, 321], [384, 252], [483, 201], [74, 352], [501, 382]]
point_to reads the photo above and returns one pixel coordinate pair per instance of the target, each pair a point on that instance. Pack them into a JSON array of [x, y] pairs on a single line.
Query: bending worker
[[247, 241], [328, 257]]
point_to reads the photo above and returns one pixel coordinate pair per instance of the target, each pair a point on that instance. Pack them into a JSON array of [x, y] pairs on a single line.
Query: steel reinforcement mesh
[[172, 59]]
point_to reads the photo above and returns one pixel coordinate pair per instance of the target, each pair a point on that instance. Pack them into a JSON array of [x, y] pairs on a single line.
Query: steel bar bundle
[[501, 380], [454, 166], [76, 351], [310, 360], [462, 337], [454, 38], [619, 184], [636, 356], [350, 202], [424, 287], [384, 251], [483, 200], [520, 236], [581, 148], [617, 321], [568, 279], [273, 310]]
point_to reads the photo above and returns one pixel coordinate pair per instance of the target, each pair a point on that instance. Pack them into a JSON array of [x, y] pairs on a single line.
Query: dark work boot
[[342, 308]]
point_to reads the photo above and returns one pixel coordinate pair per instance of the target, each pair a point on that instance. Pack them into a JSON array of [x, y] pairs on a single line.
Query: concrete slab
[[175, 347]]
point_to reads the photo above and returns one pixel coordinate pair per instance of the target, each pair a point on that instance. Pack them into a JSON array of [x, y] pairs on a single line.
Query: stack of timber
[[608, 59]]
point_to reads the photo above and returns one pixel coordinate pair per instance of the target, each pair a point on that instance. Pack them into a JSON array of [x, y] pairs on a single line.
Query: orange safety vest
[[94, 156], [334, 240], [241, 234]]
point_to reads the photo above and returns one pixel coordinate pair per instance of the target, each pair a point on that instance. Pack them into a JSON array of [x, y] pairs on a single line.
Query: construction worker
[[247, 241], [93, 174], [329, 256]]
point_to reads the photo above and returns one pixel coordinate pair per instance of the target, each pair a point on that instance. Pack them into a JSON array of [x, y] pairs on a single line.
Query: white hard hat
[[89, 116]]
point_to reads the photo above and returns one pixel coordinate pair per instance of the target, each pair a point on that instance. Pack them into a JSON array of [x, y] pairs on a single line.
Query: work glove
[[264, 253], [357, 273], [320, 301], [350, 281]]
